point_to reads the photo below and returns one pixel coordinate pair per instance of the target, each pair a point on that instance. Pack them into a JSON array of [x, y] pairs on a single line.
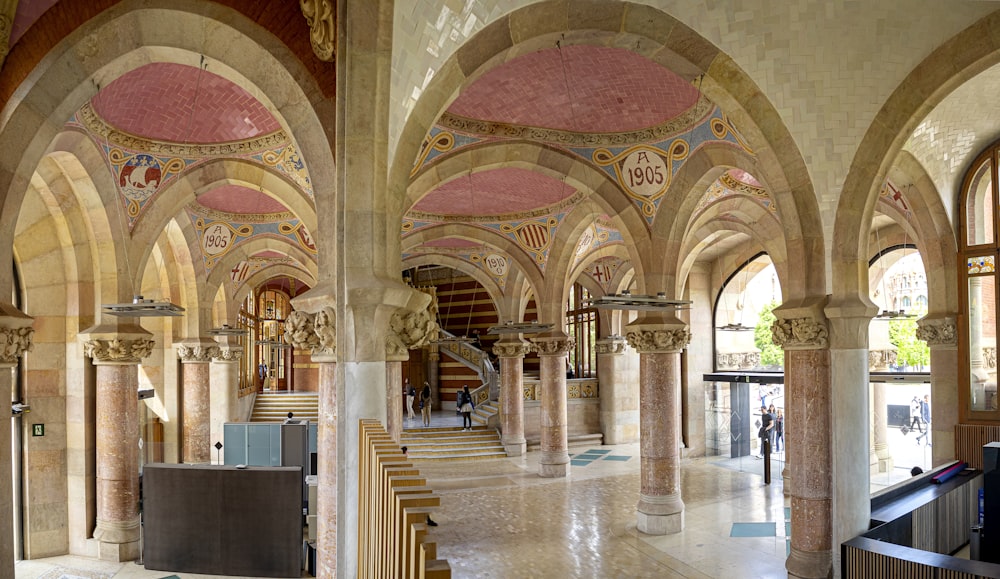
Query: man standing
[[411, 394], [925, 417], [766, 432], [915, 415]]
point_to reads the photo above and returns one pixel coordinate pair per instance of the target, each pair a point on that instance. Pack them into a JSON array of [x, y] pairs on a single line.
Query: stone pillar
[[117, 357], [619, 397], [511, 351], [16, 336], [394, 397], [659, 342], [552, 349], [939, 331], [880, 361], [196, 411], [224, 383], [317, 333]]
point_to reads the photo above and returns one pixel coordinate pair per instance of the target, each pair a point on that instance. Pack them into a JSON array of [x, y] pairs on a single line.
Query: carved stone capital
[[738, 360], [197, 353], [118, 350], [800, 333], [414, 329], [321, 15], [226, 354], [553, 345], [937, 331], [666, 339], [325, 326], [878, 359], [395, 349], [516, 349], [614, 345]]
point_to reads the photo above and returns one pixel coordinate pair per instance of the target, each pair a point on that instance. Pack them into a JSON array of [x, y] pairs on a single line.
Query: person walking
[[425, 404], [766, 432], [411, 395], [925, 417], [915, 416], [466, 406], [779, 430]]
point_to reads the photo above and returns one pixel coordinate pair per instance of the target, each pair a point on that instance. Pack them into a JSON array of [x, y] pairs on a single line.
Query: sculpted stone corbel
[[610, 346], [300, 331], [414, 329], [800, 333], [120, 350], [553, 346], [325, 325], [516, 349], [228, 354], [937, 331], [321, 15]]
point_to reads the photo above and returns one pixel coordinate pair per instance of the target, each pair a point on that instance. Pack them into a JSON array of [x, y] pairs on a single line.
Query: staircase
[[271, 407], [452, 444], [487, 415]]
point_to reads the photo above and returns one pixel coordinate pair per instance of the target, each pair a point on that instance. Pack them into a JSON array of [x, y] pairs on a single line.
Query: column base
[[809, 564], [553, 464], [117, 531], [660, 515], [514, 448], [786, 481], [660, 524], [118, 552], [553, 470]]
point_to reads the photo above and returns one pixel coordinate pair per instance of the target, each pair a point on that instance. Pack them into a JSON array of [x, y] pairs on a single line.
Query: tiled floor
[[501, 520]]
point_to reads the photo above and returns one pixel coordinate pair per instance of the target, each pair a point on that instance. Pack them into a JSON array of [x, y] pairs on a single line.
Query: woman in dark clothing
[[466, 406], [779, 431]]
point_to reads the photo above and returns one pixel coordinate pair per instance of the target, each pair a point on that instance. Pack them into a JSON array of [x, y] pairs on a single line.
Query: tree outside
[[770, 353]]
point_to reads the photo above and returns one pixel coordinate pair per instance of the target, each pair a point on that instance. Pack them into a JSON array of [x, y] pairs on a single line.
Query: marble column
[[317, 333], [511, 352], [619, 397], [117, 359], [659, 342], [224, 386], [16, 332], [197, 404], [939, 331], [552, 348]]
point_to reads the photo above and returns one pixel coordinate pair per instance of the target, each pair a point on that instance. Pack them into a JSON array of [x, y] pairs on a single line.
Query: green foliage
[[770, 353], [910, 350]]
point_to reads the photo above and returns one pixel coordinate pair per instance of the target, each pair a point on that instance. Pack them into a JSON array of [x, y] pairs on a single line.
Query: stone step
[[275, 407], [452, 444]]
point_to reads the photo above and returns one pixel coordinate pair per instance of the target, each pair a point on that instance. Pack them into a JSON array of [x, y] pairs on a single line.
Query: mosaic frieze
[[727, 186], [143, 167], [596, 236], [218, 237], [533, 236]]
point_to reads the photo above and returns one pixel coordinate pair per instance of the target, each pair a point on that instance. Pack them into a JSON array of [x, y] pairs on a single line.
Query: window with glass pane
[[979, 205], [581, 325], [983, 342]]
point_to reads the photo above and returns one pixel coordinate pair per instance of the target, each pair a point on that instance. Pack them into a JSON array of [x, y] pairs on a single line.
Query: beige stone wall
[[582, 417]]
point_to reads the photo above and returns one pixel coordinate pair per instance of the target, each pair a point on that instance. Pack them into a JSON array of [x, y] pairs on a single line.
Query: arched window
[[978, 253], [906, 302], [922, 302]]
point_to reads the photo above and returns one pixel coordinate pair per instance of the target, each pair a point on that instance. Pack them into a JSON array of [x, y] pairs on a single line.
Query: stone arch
[[302, 264], [524, 263], [933, 232], [491, 287], [207, 176], [555, 163], [129, 35], [663, 39], [946, 68], [260, 277]]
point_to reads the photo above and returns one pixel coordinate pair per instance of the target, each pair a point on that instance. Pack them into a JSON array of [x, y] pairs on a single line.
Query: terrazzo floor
[[499, 519]]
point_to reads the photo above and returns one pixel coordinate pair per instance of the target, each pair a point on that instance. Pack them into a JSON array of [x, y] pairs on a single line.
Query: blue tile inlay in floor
[[597, 451], [616, 457], [753, 530], [576, 462]]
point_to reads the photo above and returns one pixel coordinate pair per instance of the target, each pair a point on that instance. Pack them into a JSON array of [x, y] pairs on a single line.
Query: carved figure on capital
[[229, 354], [118, 350], [14, 342], [662, 340], [300, 332], [197, 353], [800, 333], [415, 329], [511, 349], [937, 331], [325, 326]]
